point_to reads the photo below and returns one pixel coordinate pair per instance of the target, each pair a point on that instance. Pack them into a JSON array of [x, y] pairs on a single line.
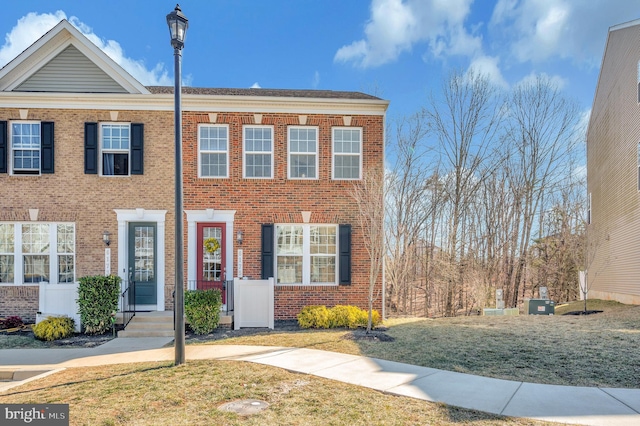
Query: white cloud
[[555, 80], [28, 29], [31, 27], [315, 82], [539, 30], [396, 26], [488, 66], [255, 86]]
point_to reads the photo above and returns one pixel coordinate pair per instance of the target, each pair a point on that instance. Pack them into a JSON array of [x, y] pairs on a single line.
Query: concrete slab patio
[[564, 404]]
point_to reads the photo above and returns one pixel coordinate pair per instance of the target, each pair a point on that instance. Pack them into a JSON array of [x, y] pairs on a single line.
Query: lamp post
[[178, 24]]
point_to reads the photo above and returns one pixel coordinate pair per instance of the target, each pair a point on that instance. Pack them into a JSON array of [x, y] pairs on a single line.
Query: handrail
[[128, 303]]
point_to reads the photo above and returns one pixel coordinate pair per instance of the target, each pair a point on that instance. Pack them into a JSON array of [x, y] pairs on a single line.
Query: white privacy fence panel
[[58, 300], [253, 305]]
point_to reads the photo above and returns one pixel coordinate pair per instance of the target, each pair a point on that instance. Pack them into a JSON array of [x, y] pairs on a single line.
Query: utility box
[[539, 307]]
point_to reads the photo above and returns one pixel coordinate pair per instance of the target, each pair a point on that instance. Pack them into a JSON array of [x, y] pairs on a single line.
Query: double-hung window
[[347, 153], [213, 147], [306, 254], [25, 147], [303, 152], [37, 252], [258, 152], [115, 148]]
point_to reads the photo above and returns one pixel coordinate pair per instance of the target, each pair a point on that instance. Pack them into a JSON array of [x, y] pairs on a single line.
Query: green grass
[[593, 350], [160, 394]]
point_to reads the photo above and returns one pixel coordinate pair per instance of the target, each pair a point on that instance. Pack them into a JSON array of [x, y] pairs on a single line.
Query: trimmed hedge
[[318, 316], [54, 328], [97, 302], [202, 309]]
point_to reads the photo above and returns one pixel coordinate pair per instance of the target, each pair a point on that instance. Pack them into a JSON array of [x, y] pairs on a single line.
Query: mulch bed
[[90, 341], [588, 312]]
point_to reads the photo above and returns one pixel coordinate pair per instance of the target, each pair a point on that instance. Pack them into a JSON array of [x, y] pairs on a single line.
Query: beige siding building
[[613, 170]]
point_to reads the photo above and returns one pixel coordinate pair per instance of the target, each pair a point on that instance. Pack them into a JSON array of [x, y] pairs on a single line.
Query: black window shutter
[[47, 164], [137, 148], [4, 147], [344, 262], [267, 250], [91, 148]]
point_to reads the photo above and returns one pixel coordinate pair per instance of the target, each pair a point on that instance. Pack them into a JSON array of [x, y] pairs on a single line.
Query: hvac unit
[[539, 306]]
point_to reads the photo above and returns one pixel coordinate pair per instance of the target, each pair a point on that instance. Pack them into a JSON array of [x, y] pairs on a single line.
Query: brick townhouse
[[86, 184]]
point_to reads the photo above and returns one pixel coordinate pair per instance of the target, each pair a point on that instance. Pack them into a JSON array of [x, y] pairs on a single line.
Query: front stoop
[[160, 324], [150, 324]]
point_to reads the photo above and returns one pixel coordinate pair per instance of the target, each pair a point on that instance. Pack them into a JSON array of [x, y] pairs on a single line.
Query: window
[[213, 146], [638, 160], [25, 147], [303, 153], [347, 153], [115, 144], [114, 149], [258, 152], [7, 248], [589, 210], [37, 252], [306, 254]]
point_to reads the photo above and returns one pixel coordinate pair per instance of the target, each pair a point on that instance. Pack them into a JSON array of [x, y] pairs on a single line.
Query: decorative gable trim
[[49, 46]]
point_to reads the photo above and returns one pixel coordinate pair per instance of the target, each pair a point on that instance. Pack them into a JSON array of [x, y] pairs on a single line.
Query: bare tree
[[542, 130], [464, 122], [368, 194]]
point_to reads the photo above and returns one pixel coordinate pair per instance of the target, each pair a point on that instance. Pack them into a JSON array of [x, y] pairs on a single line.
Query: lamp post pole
[[178, 24]]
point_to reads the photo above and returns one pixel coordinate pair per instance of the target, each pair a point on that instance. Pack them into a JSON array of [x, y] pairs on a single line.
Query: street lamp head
[[178, 24]]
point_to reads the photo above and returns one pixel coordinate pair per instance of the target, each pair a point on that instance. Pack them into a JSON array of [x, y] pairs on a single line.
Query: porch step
[[150, 324], [160, 324]]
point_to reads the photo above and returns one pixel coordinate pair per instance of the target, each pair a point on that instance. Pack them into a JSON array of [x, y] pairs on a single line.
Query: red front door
[[211, 262]]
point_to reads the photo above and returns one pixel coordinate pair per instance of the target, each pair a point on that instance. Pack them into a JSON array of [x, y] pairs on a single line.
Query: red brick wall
[[280, 200]]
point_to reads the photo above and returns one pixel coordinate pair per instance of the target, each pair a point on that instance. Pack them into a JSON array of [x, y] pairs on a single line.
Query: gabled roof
[[64, 60]]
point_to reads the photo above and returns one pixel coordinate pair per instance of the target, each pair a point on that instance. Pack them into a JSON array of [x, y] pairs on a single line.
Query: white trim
[[103, 151], [208, 216], [245, 152], [124, 216], [316, 153], [27, 63], [306, 254], [200, 152], [333, 153], [194, 103], [11, 148]]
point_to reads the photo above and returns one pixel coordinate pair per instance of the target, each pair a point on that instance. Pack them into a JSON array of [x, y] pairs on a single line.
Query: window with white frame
[[37, 252], [25, 147], [303, 152], [347, 152], [7, 252], [213, 147], [115, 148], [306, 254], [258, 151]]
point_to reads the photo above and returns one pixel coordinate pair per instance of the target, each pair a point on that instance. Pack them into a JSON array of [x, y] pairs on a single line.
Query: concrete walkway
[[565, 404]]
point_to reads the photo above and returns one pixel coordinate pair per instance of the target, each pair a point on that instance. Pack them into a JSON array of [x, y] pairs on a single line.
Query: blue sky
[[396, 49]]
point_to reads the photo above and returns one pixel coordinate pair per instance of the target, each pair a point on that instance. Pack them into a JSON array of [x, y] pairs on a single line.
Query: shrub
[[97, 301], [11, 322], [314, 317], [54, 328], [346, 316], [338, 316], [202, 309]]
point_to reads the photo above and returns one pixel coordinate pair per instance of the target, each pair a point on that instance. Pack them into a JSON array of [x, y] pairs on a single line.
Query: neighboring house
[[613, 171], [85, 148]]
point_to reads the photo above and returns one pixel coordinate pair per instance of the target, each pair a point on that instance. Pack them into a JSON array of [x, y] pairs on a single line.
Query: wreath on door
[[211, 245]]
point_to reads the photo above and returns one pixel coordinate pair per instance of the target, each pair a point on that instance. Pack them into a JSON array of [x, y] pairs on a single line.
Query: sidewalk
[[565, 404]]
